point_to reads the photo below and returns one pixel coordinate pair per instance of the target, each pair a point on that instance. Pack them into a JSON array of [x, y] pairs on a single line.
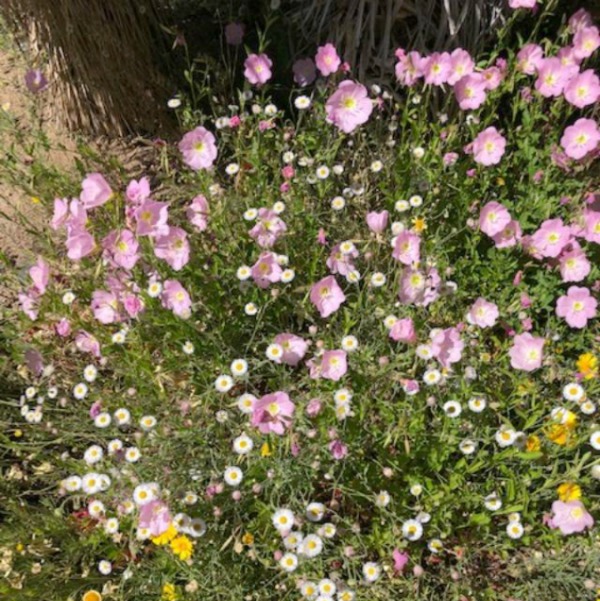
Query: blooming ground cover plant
[[342, 352]]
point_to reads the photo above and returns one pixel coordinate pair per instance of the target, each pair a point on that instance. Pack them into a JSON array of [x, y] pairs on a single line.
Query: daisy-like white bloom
[[573, 392], [188, 348], [515, 516], [311, 545], [595, 440], [30, 392], [412, 530], [274, 352], [132, 454], [105, 567], [154, 289], [349, 343], [293, 540], [322, 172], [401, 206], [515, 530], [232, 169], [91, 483], [389, 321], [245, 403], [122, 416], [477, 404], [435, 545], [147, 422], [424, 351], [250, 309], [190, 498], [114, 446], [71, 483], [288, 157], [68, 298], [418, 152], [432, 377], [289, 562], [196, 527], [118, 337], [250, 214], [587, 408], [80, 391], [90, 373], [102, 420], [279, 207], [96, 509], [383, 498], [327, 530], [142, 534], [397, 228], [283, 520], [239, 367], [243, 444], [104, 482], [174, 103], [243, 273], [378, 279], [221, 416], [327, 587], [346, 595], [452, 408], [52, 392], [111, 526], [415, 201], [270, 110], [93, 454], [505, 437], [338, 203], [309, 590], [233, 475], [376, 166], [315, 511], [181, 521], [287, 275], [416, 490], [302, 102], [492, 502], [371, 571], [224, 383], [467, 446], [342, 396]]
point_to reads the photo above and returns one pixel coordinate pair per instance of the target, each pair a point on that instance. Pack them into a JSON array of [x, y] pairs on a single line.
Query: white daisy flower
[[467, 446], [401, 206], [143, 494], [326, 587], [371, 571], [322, 172], [274, 352], [250, 214], [505, 437], [122, 416], [154, 289], [595, 440], [338, 203], [477, 404], [283, 520], [71, 483], [415, 201], [452, 408], [492, 502], [90, 373], [315, 511], [147, 422], [308, 590], [383, 498], [114, 446], [587, 408], [515, 530], [68, 298], [111, 526], [102, 420], [293, 540], [573, 392], [287, 275], [80, 391], [412, 530], [239, 367], [96, 509], [233, 475], [289, 562], [432, 377], [245, 403], [243, 444], [311, 545], [250, 309], [188, 348], [435, 545], [302, 102], [132, 455], [93, 454], [224, 383], [376, 166], [349, 343]]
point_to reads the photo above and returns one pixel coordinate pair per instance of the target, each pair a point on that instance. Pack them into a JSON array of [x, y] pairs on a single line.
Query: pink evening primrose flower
[[526, 352], [29, 304], [272, 413], [173, 247], [121, 249], [437, 68], [327, 60], [461, 64], [494, 218], [80, 243], [176, 298], [408, 68], [591, 229], [337, 449], [197, 213], [155, 517], [40, 275], [583, 89], [333, 365], [87, 343], [268, 229], [552, 77], [585, 42], [577, 307], [400, 560], [305, 72], [35, 81], [570, 517], [509, 236], [199, 148], [574, 265], [63, 327], [327, 296], [377, 221], [294, 348], [151, 218], [483, 313], [529, 58], [349, 106], [105, 307], [95, 191], [580, 138], [403, 330], [266, 270], [522, 3], [342, 262], [138, 191], [258, 69], [489, 146], [580, 20], [551, 238], [470, 91], [447, 346], [407, 248]]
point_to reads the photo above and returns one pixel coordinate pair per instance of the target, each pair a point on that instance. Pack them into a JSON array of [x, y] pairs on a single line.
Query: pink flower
[[327, 296], [570, 517], [268, 229], [407, 248], [138, 191], [580, 20], [258, 69], [418, 288], [591, 230], [400, 560], [585, 42], [63, 327], [492, 77], [408, 68], [132, 304], [266, 270], [199, 149], [105, 306], [273, 413], [40, 275], [197, 213], [574, 265], [552, 77], [95, 191], [80, 243], [87, 343], [529, 58], [349, 106], [314, 407], [155, 517], [29, 304], [121, 249], [173, 247], [526, 352], [450, 158], [176, 298], [509, 236], [461, 64], [437, 68], [577, 307], [294, 348], [334, 365], [234, 33], [304, 71], [403, 330], [483, 313], [494, 218], [341, 262], [447, 346], [489, 146], [151, 217], [580, 138], [327, 59], [470, 91], [583, 89], [377, 222], [338, 449], [550, 239], [522, 3]]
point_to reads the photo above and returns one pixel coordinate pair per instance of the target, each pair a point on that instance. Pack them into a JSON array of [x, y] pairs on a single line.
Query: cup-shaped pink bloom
[[407, 248], [137, 191], [377, 221], [585, 42], [234, 33], [580, 138], [132, 304], [509, 236], [570, 517], [105, 306], [197, 212], [470, 91], [61, 213], [273, 413], [447, 346], [418, 288], [461, 64], [327, 59], [408, 68], [334, 365], [294, 348], [305, 71], [151, 218], [522, 3], [87, 343], [40, 275], [176, 298], [526, 352], [529, 58], [155, 517], [338, 449], [342, 262], [199, 148], [591, 230], [173, 247], [268, 229], [403, 330], [121, 249], [552, 77], [400, 560], [35, 81], [551, 238], [29, 304], [437, 68], [258, 69], [574, 265], [77, 218], [349, 106], [580, 20], [577, 307], [493, 218], [483, 313], [266, 270], [489, 146], [63, 327], [327, 296], [492, 77], [80, 243], [95, 191], [583, 89]]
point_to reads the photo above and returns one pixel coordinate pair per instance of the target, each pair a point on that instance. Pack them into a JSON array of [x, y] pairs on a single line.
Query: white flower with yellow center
[[283, 520], [412, 530], [371, 571], [224, 383], [233, 476]]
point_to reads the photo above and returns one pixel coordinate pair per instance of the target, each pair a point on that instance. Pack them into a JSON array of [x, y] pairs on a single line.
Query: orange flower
[[587, 365], [91, 596]]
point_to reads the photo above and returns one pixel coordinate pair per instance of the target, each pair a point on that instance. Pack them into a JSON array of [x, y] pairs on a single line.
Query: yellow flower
[[168, 592], [265, 450], [35, 200], [18, 433], [419, 225], [19, 547], [533, 443], [569, 491], [166, 537], [587, 365], [182, 547], [248, 539], [559, 434], [91, 596]]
